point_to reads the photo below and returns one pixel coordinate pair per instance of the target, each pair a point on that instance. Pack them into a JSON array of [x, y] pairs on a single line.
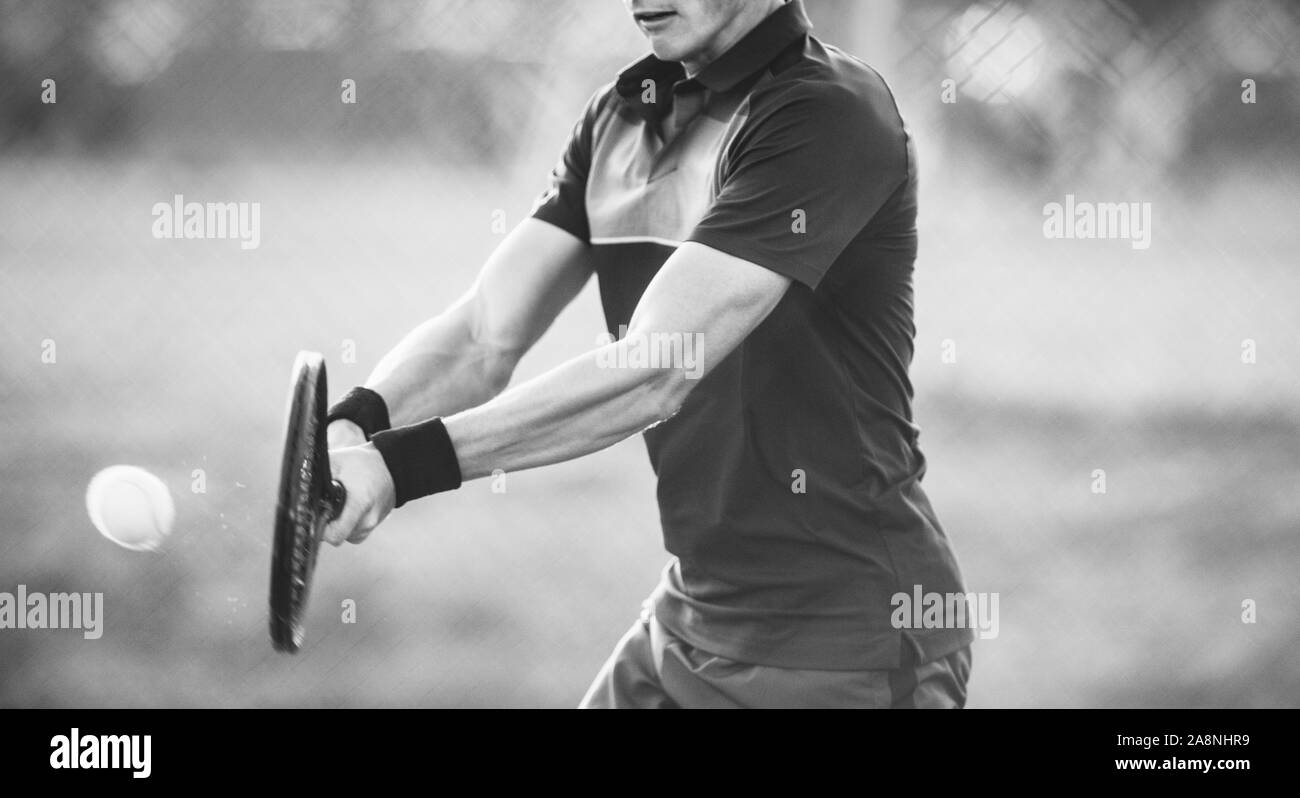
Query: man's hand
[[343, 433], [371, 494]]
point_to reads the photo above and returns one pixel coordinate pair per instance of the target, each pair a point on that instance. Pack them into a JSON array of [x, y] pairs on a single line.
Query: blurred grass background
[[1071, 355]]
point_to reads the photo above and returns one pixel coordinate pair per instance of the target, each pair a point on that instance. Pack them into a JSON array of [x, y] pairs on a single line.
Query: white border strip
[[636, 240]]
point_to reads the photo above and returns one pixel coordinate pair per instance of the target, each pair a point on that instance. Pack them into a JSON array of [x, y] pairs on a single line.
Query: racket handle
[[335, 497]]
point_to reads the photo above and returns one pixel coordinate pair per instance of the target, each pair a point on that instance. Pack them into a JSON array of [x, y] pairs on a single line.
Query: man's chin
[[667, 49]]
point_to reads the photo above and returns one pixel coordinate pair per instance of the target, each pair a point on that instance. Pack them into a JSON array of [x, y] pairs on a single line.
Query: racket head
[[305, 502]]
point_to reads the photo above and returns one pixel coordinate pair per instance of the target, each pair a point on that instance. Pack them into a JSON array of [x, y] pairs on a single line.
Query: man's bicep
[[703, 292], [527, 280]]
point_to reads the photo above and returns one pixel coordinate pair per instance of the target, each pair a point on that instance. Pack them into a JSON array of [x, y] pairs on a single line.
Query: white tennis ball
[[130, 507]]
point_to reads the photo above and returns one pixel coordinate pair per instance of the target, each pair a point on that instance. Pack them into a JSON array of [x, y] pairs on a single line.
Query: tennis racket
[[308, 500]]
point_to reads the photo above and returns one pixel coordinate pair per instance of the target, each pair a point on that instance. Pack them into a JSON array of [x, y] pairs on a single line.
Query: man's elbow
[[497, 366]]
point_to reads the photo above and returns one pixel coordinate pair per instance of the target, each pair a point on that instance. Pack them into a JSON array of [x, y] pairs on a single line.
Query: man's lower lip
[[656, 22]]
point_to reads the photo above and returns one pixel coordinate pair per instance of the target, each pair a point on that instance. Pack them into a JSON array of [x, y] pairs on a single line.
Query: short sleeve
[[803, 178], [563, 203]]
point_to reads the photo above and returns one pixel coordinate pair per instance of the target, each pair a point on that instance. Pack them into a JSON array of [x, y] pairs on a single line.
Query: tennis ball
[[130, 507]]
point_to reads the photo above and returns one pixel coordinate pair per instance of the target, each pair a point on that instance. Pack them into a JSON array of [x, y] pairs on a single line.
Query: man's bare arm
[[585, 404], [589, 402], [465, 355]]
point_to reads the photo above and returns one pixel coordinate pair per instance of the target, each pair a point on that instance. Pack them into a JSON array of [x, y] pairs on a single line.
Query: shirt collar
[[747, 56]]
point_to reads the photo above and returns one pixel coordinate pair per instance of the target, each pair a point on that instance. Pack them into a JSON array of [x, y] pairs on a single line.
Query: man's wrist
[[421, 460], [362, 407]]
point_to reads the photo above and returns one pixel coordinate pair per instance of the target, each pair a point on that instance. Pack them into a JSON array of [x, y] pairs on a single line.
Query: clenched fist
[[371, 494]]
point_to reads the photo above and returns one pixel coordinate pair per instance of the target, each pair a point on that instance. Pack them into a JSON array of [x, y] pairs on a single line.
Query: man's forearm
[[440, 368], [465, 356], [573, 410]]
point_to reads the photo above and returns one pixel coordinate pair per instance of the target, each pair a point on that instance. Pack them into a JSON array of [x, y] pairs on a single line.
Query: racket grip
[[336, 496]]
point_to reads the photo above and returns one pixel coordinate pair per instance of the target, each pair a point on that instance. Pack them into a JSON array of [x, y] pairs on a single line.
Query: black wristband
[[420, 459], [363, 407]]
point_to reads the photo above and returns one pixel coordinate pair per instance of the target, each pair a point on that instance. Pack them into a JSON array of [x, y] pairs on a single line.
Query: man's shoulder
[[603, 103], [823, 84], [601, 106]]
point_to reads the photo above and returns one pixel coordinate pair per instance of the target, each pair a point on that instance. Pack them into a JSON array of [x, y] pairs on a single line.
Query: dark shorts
[[652, 669]]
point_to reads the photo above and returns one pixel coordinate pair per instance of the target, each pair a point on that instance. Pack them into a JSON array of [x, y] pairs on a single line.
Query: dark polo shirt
[[789, 484]]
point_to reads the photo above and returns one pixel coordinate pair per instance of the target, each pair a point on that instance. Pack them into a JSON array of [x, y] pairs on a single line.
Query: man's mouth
[[653, 18]]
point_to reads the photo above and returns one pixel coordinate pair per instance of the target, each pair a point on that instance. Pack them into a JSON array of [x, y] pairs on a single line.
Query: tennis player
[[747, 194]]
